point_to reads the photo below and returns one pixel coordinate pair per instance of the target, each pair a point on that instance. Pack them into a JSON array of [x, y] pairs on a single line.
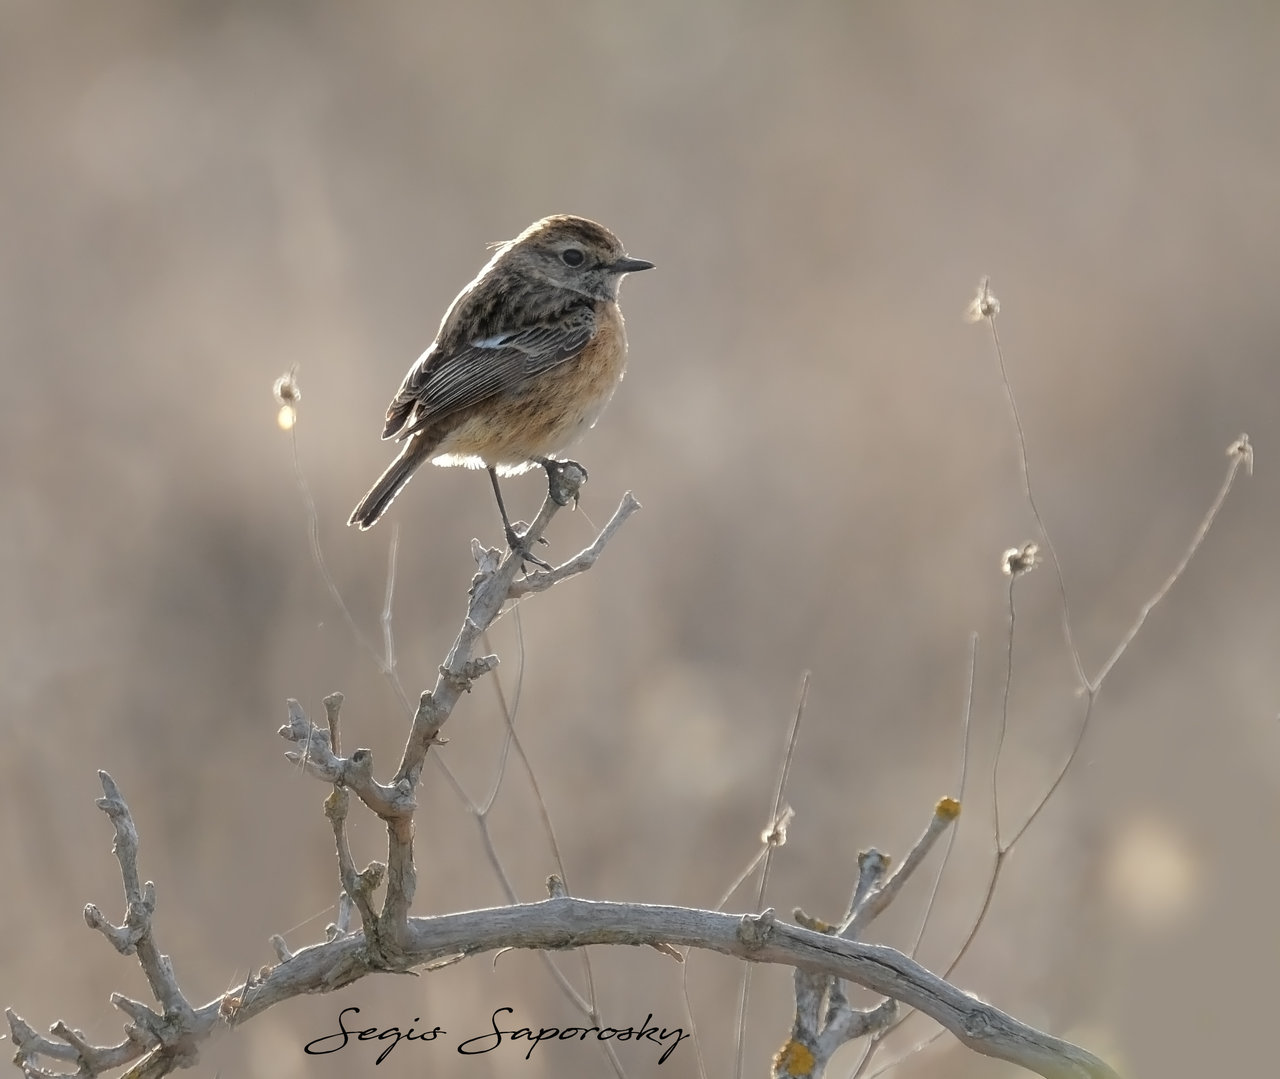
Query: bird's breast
[[549, 411]]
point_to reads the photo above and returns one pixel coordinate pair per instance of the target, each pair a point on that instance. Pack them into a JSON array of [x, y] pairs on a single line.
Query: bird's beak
[[627, 264]]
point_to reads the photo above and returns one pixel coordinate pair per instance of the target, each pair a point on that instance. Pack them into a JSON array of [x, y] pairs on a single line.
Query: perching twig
[[395, 803]]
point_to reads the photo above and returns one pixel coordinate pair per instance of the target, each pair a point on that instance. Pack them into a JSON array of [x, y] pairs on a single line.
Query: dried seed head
[[1243, 449], [776, 834], [287, 394], [984, 304], [1019, 560]]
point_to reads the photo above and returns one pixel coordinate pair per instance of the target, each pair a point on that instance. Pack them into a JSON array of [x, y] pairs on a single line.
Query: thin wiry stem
[[1241, 456], [774, 837], [996, 867], [317, 552], [509, 712], [879, 1037], [1004, 709], [864, 1061], [1001, 851], [744, 993], [1029, 492], [919, 1047], [761, 853], [1062, 773], [512, 741], [742, 877], [386, 661], [455, 784], [961, 792], [388, 635], [693, 1023], [1093, 687]]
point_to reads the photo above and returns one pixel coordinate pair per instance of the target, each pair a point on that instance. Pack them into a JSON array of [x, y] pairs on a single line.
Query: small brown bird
[[525, 360]]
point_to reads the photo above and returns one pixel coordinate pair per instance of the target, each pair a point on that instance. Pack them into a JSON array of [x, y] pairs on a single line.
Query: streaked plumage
[[526, 358]]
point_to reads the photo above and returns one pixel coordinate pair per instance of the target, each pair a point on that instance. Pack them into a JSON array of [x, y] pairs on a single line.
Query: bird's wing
[[443, 382]]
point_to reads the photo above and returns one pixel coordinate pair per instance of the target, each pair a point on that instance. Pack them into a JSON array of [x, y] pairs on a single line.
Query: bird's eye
[[572, 256]]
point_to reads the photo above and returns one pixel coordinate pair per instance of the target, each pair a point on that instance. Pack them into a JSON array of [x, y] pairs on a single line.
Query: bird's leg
[[562, 482], [515, 540]]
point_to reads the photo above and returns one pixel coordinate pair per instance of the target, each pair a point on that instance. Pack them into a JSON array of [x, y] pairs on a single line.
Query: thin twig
[[317, 552], [1241, 455], [1029, 492], [387, 664], [879, 1037], [962, 791], [388, 636], [1005, 692], [482, 808], [774, 836], [589, 1005]]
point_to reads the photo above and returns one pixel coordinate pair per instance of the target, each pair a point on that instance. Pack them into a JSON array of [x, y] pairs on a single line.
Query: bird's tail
[[390, 484]]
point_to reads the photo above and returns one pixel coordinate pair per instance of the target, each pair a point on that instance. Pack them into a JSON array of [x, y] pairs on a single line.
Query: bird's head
[[571, 253]]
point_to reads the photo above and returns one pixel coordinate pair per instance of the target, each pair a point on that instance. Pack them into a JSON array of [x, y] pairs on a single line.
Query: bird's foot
[[519, 543], [564, 480]]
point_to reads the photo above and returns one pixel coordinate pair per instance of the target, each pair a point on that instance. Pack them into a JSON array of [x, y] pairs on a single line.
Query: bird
[[525, 360]]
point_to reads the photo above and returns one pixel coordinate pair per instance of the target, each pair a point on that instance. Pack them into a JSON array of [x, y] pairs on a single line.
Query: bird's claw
[[519, 543], [564, 481]]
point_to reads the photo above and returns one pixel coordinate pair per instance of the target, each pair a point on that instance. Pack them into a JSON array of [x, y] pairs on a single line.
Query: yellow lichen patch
[[810, 922], [947, 808], [793, 1061]]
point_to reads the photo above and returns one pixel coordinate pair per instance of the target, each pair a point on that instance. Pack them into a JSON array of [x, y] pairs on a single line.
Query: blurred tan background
[[194, 197]]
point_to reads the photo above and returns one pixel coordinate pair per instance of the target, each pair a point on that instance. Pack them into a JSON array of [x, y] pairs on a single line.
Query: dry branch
[[156, 1043]]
